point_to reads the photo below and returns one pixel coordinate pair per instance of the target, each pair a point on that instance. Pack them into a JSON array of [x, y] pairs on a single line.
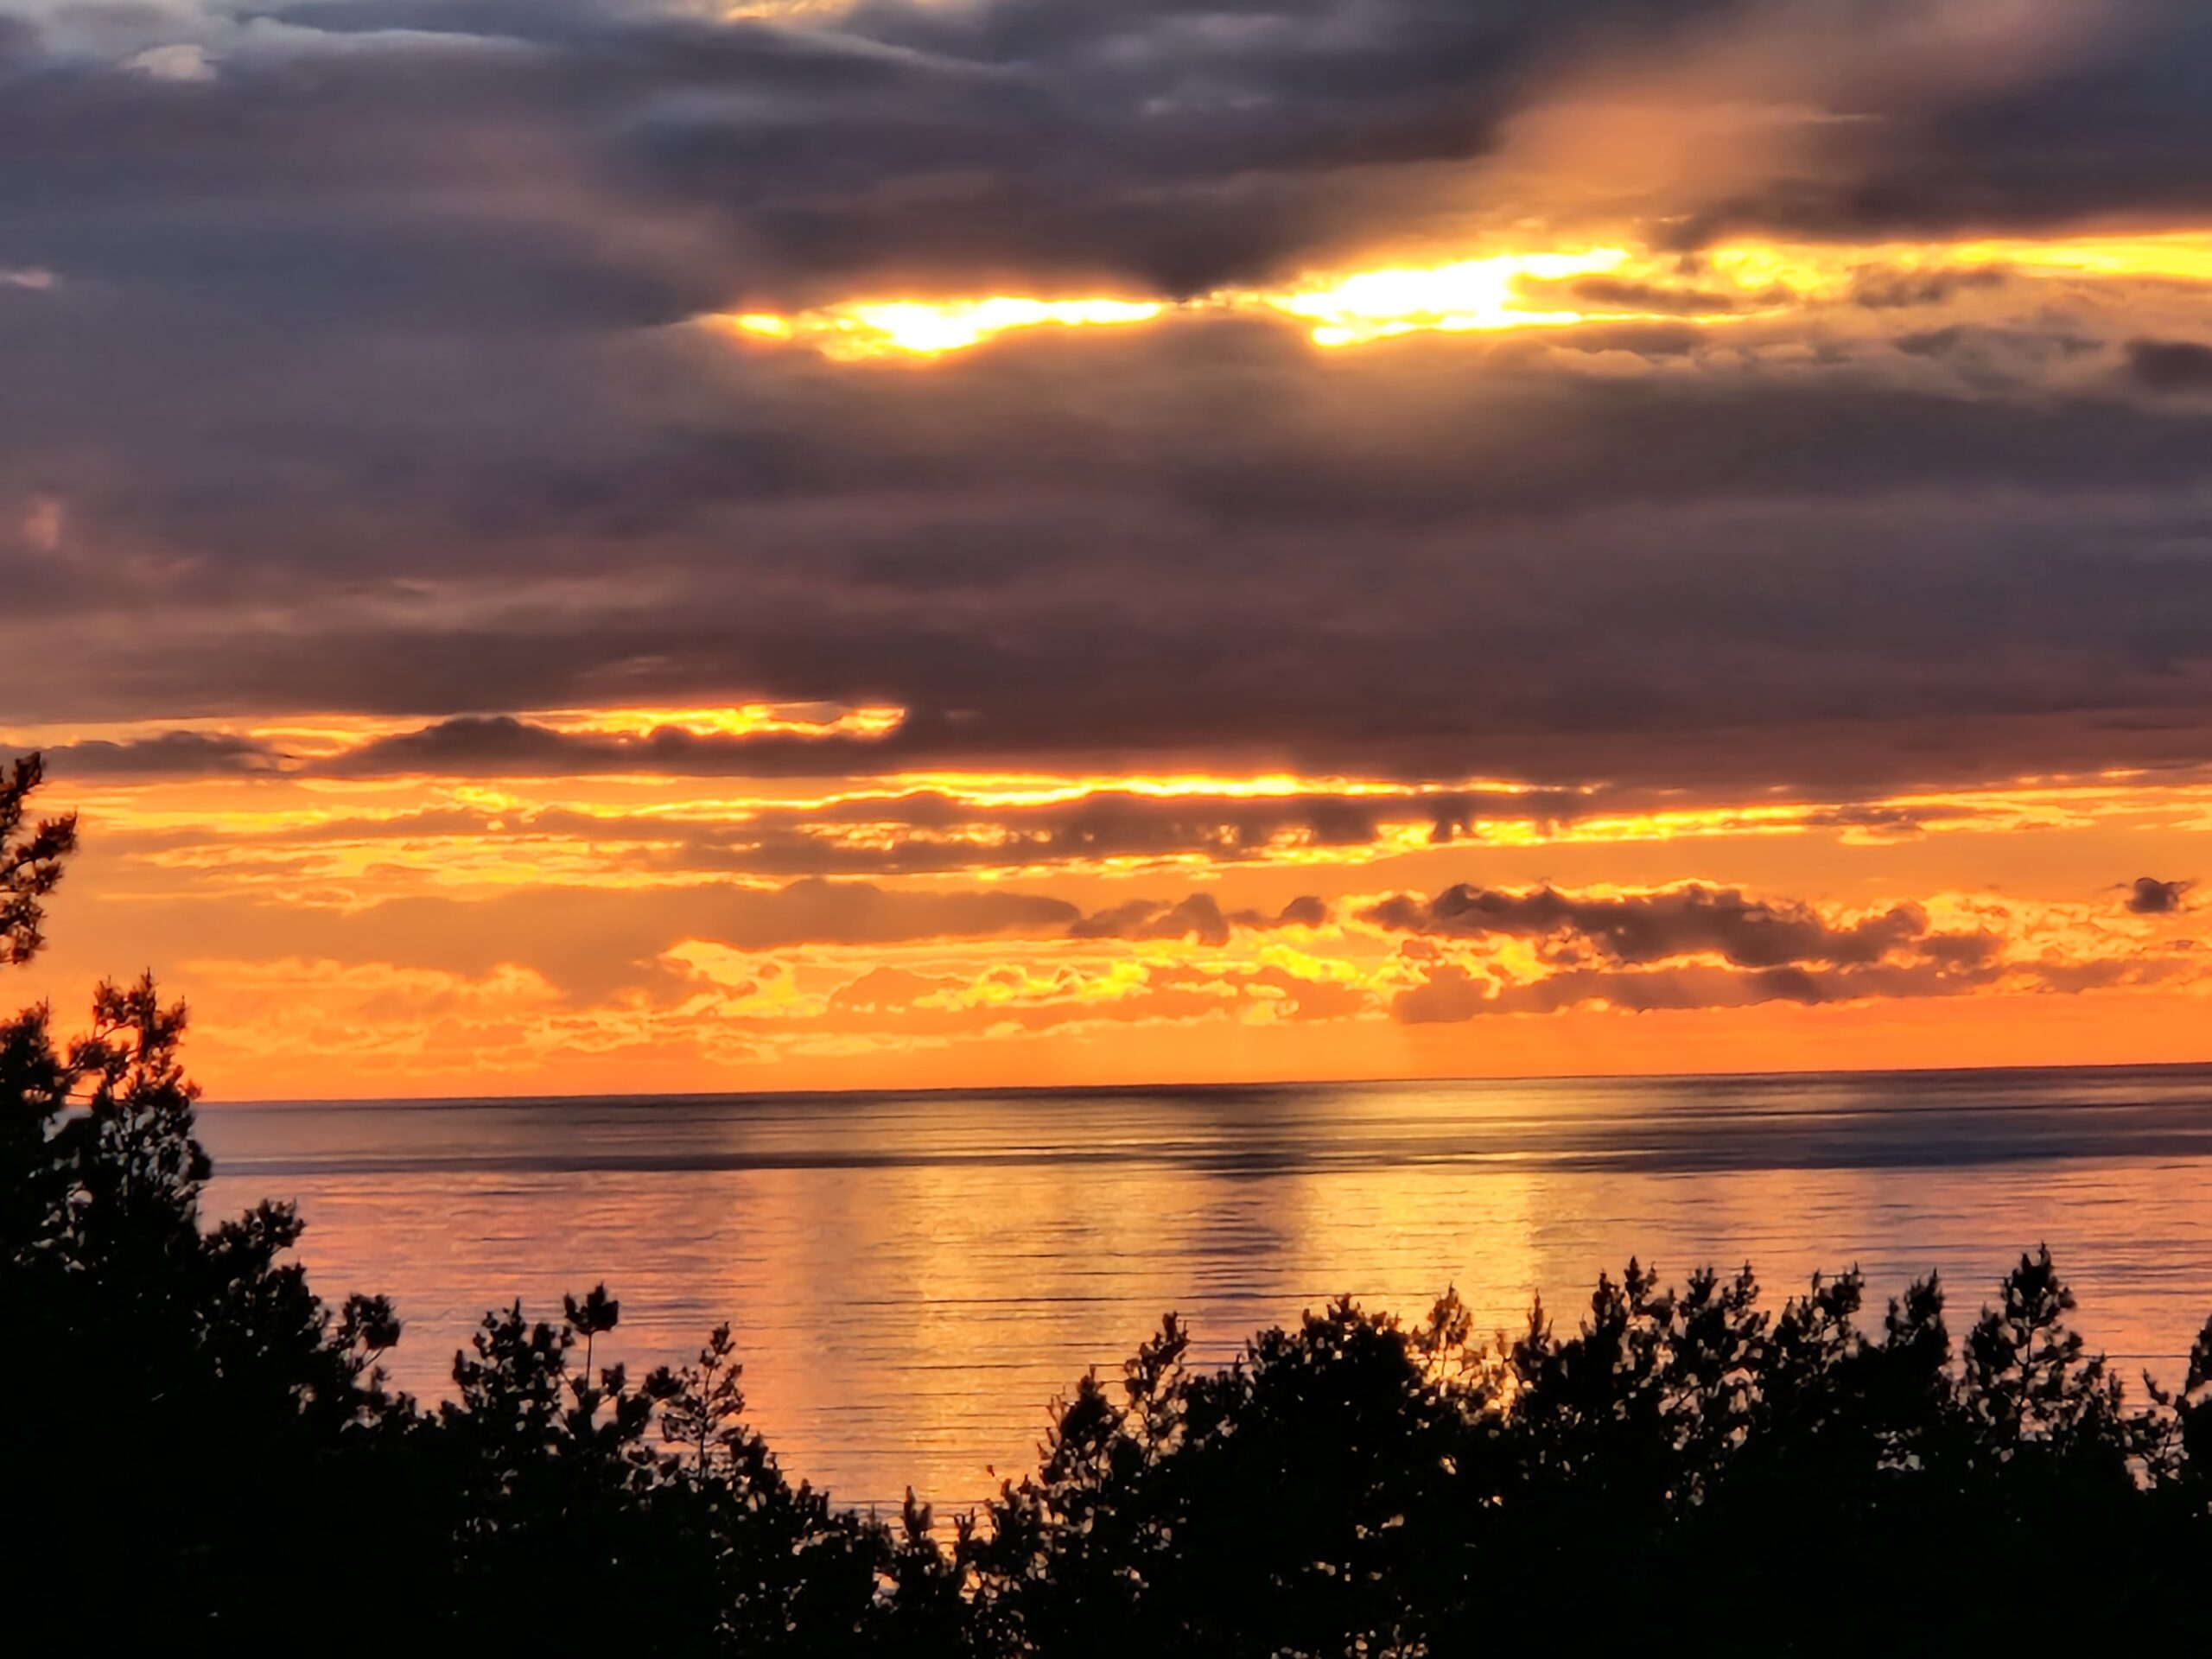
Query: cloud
[[1614, 294], [1449, 993], [592, 944], [1882, 288], [183, 61], [2170, 366], [353, 371], [897, 145], [369, 389], [506, 745], [1650, 927], [1644, 951], [2029, 115], [1198, 916], [883, 989], [897, 1003], [2151, 896], [168, 755]]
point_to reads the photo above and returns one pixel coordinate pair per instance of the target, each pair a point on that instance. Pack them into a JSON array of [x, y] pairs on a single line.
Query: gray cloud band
[[356, 385]]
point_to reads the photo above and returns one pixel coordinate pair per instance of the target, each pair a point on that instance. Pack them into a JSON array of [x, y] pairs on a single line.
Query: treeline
[[202, 1457]]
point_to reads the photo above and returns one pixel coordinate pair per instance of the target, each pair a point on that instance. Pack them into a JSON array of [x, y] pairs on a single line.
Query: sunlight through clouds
[[1472, 295], [1727, 283], [925, 329]]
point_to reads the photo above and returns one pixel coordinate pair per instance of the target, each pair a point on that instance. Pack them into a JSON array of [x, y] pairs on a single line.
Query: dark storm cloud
[[351, 393], [2114, 124], [1643, 928], [1133, 518], [514, 166], [2151, 896], [1168, 587], [452, 163]]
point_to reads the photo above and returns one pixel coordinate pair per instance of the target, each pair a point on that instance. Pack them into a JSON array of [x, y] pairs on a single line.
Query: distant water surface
[[914, 1277]]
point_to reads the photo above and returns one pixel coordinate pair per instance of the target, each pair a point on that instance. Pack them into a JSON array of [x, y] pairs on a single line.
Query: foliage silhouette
[[211, 1459], [31, 855]]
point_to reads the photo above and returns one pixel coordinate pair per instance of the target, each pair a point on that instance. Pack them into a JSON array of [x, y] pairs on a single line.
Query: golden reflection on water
[[913, 1279]]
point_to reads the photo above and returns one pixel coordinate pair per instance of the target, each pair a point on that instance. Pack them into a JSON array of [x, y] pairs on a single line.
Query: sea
[[913, 1279]]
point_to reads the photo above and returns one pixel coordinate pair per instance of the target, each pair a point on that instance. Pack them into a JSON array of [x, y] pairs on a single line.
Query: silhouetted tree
[[205, 1381], [702, 1405], [31, 857], [598, 1313], [2181, 1451]]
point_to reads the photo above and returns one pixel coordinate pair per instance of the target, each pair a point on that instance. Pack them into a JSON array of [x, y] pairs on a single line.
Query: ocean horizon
[[915, 1276], [1199, 1085]]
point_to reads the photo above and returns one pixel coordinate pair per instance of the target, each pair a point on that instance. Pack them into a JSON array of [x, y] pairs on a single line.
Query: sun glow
[[1497, 292], [1034, 789], [1807, 273], [806, 720], [927, 328], [1470, 296]]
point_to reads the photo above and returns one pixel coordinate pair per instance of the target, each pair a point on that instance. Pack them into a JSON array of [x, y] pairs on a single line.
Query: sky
[[632, 545]]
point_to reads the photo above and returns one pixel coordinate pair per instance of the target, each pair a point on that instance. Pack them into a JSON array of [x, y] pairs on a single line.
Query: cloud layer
[[359, 374]]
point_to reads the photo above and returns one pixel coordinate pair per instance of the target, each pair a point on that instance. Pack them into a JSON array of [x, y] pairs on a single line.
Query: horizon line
[[1195, 1086]]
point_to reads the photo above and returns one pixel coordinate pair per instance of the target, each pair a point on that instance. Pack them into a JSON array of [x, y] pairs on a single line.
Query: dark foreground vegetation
[[200, 1457]]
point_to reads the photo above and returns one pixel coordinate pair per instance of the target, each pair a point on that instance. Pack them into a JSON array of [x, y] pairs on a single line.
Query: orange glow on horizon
[[441, 931]]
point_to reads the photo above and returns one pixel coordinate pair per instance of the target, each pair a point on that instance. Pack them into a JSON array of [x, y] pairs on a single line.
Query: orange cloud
[[442, 933]]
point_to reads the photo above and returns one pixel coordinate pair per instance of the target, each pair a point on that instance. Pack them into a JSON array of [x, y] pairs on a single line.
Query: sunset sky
[[592, 545]]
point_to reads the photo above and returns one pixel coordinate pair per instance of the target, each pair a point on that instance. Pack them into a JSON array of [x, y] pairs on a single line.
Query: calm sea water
[[914, 1277]]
